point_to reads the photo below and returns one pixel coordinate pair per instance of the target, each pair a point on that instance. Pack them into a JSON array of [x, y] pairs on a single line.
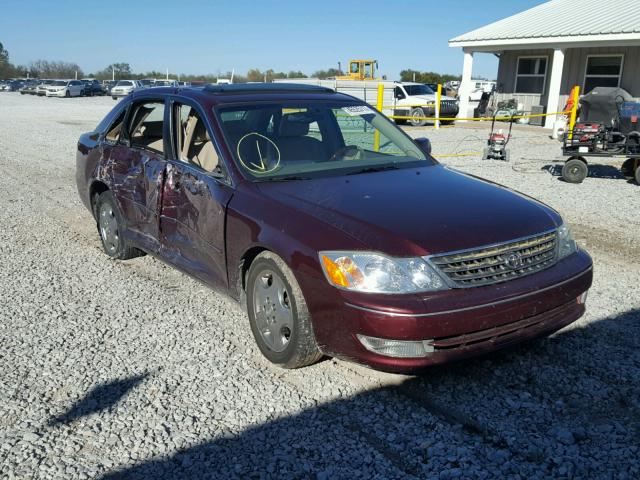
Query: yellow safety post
[[575, 94], [438, 97], [376, 134]]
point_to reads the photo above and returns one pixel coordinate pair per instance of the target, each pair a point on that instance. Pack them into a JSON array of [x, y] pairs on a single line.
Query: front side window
[[531, 75], [146, 123], [354, 67], [602, 71], [314, 139], [193, 142]]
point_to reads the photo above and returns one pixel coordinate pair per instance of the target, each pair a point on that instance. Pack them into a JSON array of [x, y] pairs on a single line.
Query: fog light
[[397, 348], [582, 299]]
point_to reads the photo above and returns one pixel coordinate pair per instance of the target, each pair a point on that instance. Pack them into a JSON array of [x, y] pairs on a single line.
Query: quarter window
[[602, 71], [146, 126], [116, 128], [531, 75]]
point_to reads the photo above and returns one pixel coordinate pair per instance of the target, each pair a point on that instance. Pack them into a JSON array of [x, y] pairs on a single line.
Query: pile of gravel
[[132, 370]]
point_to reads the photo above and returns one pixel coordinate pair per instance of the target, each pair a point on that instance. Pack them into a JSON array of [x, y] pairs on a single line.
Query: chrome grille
[[498, 263]]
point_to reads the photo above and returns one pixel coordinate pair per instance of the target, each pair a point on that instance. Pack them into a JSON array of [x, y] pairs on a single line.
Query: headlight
[[377, 273], [566, 243]]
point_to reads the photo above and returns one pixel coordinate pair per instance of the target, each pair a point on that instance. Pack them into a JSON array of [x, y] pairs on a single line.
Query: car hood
[[415, 211]]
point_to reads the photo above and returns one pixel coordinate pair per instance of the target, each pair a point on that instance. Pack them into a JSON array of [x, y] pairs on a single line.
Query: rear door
[[195, 197], [137, 162]]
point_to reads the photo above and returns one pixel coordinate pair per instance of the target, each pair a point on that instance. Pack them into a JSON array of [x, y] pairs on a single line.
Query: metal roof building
[[546, 50]]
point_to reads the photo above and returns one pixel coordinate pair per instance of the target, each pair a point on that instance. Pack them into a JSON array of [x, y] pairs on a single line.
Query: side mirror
[[218, 173], [424, 144]]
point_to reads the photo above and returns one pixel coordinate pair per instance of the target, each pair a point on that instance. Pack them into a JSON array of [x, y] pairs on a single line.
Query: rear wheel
[[416, 115], [278, 314], [110, 228], [638, 175], [575, 170]]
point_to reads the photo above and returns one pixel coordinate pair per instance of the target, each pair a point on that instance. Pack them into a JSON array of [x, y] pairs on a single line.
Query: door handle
[[173, 179]]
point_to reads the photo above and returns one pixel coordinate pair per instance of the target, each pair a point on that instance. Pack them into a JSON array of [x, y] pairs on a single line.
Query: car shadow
[[99, 398], [563, 407]]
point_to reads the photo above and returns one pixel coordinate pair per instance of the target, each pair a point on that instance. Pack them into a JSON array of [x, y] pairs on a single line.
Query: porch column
[[465, 84], [554, 86]]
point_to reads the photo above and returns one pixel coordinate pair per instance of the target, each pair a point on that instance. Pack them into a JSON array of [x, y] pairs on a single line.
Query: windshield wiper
[[374, 169], [283, 179]]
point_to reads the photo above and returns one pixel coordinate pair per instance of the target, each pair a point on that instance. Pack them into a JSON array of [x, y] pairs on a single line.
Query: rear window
[[124, 83]]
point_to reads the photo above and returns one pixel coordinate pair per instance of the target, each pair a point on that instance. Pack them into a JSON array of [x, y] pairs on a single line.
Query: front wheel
[[575, 170], [638, 175], [67, 94], [278, 314], [417, 115]]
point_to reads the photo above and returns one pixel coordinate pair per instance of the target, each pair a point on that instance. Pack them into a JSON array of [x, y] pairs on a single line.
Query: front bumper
[[57, 93], [460, 322], [119, 94]]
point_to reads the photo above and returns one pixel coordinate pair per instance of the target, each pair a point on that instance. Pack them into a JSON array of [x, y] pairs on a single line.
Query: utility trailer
[[608, 127]]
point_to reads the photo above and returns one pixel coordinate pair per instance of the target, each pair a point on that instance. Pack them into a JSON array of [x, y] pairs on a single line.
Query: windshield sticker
[[358, 110], [258, 154]]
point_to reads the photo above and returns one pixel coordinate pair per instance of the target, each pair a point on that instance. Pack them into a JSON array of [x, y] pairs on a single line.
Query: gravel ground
[[132, 370]]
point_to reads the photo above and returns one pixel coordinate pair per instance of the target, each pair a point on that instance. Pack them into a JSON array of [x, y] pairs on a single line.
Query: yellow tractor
[[361, 70]]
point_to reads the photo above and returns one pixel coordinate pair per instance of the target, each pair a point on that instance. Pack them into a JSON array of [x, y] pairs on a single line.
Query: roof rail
[[231, 88]]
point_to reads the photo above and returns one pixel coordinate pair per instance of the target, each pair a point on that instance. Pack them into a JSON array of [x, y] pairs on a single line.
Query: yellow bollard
[[575, 93], [438, 97], [376, 134]]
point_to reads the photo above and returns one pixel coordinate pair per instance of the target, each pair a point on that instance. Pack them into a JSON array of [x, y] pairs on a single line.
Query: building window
[[602, 71], [531, 75]]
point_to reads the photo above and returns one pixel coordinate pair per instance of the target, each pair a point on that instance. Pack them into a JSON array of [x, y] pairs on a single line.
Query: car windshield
[[59, 83], [300, 140], [418, 90], [124, 83]]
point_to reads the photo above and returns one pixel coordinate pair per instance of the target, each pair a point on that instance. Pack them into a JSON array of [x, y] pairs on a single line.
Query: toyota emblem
[[513, 260]]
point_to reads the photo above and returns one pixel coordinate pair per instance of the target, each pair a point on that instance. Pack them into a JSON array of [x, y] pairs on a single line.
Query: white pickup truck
[[406, 99]]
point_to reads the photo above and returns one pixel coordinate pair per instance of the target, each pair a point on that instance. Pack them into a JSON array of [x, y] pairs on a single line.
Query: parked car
[[166, 83], [29, 88], [65, 88], [147, 82], [41, 89], [417, 101], [107, 85], [340, 241], [124, 88], [92, 87]]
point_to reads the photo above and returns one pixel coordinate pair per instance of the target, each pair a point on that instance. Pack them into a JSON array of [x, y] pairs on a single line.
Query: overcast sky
[[210, 37]]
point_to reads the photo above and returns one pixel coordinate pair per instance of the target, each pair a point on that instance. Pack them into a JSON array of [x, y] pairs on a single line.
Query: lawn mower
[[608, 127], [496, 148]]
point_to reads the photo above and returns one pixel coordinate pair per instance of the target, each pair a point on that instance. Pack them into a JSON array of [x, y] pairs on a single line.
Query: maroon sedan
[[342, 235]]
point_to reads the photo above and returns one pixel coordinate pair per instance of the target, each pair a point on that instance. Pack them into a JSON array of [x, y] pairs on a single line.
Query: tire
[[110, 225], [505, 155], [274, 300], [447, 122], [115, 98], [627, 167], [637, 175], [68, 94], [575, 170], [417, 112]]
